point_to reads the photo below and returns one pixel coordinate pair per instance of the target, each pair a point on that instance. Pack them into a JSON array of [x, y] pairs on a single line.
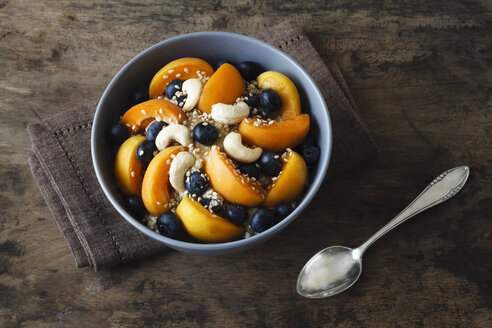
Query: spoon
[[336, 268]]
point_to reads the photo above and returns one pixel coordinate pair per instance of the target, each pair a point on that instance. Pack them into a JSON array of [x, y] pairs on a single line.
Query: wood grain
[[421, 75]]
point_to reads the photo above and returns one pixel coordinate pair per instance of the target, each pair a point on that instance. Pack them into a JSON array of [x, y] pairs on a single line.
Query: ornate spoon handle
[[445, 186]]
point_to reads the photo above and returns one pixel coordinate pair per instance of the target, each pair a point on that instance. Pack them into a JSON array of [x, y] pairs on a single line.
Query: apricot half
[[155, 185], [224, 86], [127, 168], [183, 69], [205, 226], [291, 102], [290, 182], [139, 116], [229, 182], [276, 136]]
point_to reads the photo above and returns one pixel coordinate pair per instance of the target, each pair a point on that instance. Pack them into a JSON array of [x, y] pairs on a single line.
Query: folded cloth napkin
[[96, 234]]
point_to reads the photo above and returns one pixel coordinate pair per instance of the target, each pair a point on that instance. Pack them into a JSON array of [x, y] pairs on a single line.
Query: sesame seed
[[141, 152], [134, 127], [132, 174], [168, 162], [144, 112], [128, 125], [186, 70], [170, 71], [159, 203], [205, 123], [166, 205], [172, 155], [165, 77], [179, 116], [178, 75], [160, 111], [276, 156]]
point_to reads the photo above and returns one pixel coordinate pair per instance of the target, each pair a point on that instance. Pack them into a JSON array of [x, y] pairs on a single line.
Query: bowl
[[212, 47]]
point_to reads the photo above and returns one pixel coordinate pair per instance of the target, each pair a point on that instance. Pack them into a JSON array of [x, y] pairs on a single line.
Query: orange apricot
[[139, 116], [290, 182], [204, 225], [224, 86], [127, 168], [286, 89], [277, 136], [229, 182], [155, 185], [183, 69]]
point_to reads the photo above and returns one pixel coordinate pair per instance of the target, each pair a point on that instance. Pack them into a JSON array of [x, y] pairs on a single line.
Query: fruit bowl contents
[[213, 155]]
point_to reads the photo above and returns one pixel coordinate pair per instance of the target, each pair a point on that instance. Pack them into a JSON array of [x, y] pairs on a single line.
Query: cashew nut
[[173, 131], [180, 164], [230, 114], [192, 88], [234, 147]]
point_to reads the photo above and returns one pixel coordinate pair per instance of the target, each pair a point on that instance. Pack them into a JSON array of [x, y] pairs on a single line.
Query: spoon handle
[[445, 186]]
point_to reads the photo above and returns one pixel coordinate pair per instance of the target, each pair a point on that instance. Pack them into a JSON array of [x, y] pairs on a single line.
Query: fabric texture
[[96, 234]]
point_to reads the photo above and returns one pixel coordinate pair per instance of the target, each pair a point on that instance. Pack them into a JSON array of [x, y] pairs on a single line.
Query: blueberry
[[249, 70], [263, 112], [310, 140], [181, 101], [118, 134], [283, 210], [169, 225], [212, 204], [205, 133], [262, 220], [197, 183], [252, 99], [270, 100], [270, 163], [250, 169], [154, 129], [237, 214], [140, 95], [172, 87], [134, 205], [310, 154], [145, 151]]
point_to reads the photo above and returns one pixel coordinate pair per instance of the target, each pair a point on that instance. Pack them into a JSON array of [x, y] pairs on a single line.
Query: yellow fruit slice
[[224, 86], [277, 136], [127, 168], [290, 182], [205, 226], [155, 185], [139, 116], [183, 69], [227, 181], [281, 84]]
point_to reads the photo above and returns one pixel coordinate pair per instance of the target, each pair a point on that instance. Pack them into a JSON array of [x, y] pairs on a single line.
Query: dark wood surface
[[421, 74]]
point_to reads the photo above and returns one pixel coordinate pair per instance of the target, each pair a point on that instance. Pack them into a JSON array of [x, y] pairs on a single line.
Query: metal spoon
[[336, 268]]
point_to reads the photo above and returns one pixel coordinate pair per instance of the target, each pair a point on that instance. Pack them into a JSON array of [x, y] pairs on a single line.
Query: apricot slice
[[127, 168], [139, 116], [276, 136], [205, 226], [290, 182], [224, 86], [183, 69], [155, 185], [229, 182], [291, 102]]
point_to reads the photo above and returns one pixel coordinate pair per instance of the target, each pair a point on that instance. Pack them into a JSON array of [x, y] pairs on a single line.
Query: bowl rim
[[236, 244]]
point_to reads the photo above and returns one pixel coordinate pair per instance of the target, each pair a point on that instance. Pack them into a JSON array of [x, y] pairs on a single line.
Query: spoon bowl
[[329, 272]]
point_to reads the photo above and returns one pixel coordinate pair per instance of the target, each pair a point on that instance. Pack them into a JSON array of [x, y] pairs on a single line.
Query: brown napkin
[[96, 234]]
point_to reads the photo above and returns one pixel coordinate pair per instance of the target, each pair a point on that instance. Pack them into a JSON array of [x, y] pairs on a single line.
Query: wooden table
[[421, 75]]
